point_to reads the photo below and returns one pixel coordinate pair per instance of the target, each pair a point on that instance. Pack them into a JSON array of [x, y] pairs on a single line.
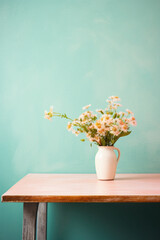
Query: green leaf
[[122, 134], [79, 129], [90, 144], [85, 128], [103, 141], [94, 118], [114, 116]]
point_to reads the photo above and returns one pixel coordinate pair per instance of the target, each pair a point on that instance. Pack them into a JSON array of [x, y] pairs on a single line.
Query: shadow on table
[[138, 177]]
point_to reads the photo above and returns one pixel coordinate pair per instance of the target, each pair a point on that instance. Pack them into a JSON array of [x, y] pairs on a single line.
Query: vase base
[[111, 179]]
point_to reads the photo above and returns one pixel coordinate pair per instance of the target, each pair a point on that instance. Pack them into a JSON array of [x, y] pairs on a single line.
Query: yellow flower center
[[98, 124]]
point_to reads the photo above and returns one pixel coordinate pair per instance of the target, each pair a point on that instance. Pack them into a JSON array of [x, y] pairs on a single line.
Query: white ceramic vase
[[106, 162]]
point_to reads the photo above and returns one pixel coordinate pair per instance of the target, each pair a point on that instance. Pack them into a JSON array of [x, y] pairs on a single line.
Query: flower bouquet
[[102, 128]]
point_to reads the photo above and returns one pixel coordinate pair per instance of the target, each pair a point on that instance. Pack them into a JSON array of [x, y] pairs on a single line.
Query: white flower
[[51, 109], [124, 128], [102, 131], [49, 114], [86, 107], [118, 104], [122, 113], [75, 132], [129, 112], [69, 126], [115, 98], [115, 130], [109, 101], [100, 110], [46, 116]]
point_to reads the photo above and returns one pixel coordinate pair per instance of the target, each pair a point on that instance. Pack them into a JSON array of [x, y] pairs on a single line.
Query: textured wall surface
[[70, 53]]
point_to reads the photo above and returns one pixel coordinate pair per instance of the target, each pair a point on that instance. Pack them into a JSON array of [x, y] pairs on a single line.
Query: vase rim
[[105, 146]]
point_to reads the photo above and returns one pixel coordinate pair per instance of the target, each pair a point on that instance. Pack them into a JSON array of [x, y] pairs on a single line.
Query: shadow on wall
[[113, 221]]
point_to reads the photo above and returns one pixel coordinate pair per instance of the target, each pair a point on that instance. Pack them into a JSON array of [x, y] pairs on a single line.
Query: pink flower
[[122, 113], [69, 126], [49, 114], [118, 104], [132, 118], [106, 119], [132, 121], [102, 131], [114, 107], [109, 101], [126, 120], [46, 115], [129, 112], [114, 130], [120, 122], [75, 132], [115, 98], [86, 107], [124, 128], [100, 110]]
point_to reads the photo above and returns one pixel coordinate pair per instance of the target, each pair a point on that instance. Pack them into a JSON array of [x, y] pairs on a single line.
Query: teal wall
[[69, 53]]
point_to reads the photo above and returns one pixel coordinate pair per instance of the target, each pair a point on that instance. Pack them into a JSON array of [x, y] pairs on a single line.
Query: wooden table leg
[[42, 221], [32, 213], [29, 221]]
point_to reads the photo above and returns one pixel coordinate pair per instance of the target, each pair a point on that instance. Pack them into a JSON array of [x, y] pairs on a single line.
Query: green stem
[[61, 115], [70, 119]]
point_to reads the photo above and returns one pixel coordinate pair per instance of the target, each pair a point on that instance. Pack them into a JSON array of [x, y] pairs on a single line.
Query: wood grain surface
[[85, 188]]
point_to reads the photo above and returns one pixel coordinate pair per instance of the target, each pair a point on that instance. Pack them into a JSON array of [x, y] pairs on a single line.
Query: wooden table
[[35, 190]]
